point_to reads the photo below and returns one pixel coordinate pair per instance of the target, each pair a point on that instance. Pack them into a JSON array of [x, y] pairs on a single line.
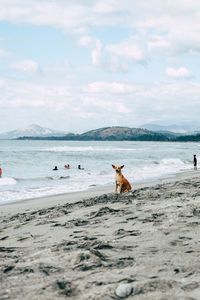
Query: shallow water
[[27, 165]]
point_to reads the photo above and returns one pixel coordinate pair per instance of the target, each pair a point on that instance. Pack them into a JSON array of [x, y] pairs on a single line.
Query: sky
[[76, 65]]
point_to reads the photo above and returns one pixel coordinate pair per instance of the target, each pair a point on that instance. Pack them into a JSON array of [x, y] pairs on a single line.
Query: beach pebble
[[124, 290]]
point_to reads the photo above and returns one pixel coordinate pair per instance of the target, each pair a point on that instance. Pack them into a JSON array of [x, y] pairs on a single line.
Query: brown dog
[[121, 181]]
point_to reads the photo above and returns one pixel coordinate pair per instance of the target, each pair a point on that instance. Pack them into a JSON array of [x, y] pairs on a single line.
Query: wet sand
[[88, 245]]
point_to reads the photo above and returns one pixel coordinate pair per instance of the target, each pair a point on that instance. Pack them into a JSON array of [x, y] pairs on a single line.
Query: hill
[[110, 134], [122, 133]]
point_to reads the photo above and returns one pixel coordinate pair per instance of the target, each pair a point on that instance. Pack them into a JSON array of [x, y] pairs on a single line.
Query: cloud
[[115, 57], [123, 55], [95, 45], [178, 73], [157, 26], [25, 66], [130, 49], [58, 14], [158, 42], [109, 87], [163, 21], [101, 103], [105, 105], [15, 94]]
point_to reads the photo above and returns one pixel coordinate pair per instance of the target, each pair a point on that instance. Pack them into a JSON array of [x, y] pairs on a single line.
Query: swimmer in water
[[55, 168], [79, 167]]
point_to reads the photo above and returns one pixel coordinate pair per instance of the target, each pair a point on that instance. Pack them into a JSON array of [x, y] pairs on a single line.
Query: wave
[[68, 149], [165, 167], [46, 178], [10, 196], [84, 149], [7, 181], [172, 161]]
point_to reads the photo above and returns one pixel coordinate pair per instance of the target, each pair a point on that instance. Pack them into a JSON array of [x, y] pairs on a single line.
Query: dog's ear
[[122, 167], [113, 166]]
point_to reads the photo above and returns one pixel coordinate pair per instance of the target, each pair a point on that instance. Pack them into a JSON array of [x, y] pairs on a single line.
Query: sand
[[144, 244]]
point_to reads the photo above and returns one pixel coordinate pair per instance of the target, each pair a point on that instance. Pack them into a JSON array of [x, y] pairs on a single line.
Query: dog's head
[[117, 168]]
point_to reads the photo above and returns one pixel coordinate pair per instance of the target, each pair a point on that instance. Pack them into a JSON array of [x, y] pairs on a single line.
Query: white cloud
[[60, 14], [95, 45], [105, 105], [124, 55], [129, 49], [158, 42], [25, 66], [102, 103], [170, 27], [15, 94], [115, 57], [178, 73], [163, 21], [107, 87]]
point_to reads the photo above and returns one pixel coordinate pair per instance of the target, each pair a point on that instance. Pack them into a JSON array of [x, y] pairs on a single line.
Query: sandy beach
[[98, 245]]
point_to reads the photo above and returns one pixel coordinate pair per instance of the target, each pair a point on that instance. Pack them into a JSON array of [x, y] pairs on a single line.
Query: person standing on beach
[[0, 172], [195, 162]]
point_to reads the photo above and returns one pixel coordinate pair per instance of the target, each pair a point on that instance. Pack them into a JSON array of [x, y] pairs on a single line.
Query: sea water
[[27, 166]]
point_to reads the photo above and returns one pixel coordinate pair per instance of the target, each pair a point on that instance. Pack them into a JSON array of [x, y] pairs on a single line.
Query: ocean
[[27, 166]]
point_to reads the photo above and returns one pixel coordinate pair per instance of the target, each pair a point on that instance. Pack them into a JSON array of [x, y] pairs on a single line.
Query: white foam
[[25, 194], [84, 149], [68, 149], [172, 161], [166, 167], [7, 181]]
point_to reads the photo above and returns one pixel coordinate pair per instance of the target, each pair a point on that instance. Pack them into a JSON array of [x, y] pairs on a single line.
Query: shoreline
[[60, 199]]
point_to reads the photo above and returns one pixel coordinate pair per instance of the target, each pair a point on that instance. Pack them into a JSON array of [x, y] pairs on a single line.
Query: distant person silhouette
[[195, 162], [0, 172], [79, 167], [55, 168]]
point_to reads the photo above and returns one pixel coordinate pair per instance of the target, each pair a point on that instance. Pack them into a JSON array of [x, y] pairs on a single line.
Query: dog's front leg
[[120, 187], [116, 187]]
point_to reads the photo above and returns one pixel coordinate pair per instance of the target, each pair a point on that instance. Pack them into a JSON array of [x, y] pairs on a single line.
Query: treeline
[[188, 138], [143, 138], [110, 138], [120, 134]]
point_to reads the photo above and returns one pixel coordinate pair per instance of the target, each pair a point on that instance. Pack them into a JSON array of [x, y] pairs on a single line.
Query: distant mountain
[[121, 133], [32, 130], [178, 129], [112, 134]]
